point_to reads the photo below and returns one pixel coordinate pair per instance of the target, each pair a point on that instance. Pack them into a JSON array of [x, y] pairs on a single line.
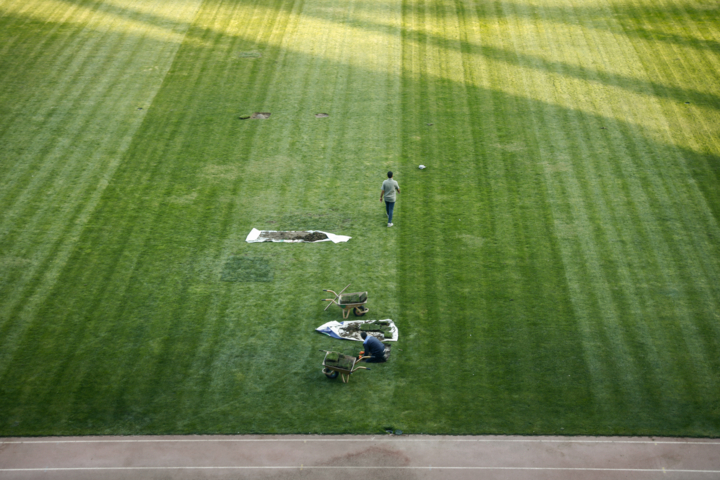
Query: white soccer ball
[[422, 167]]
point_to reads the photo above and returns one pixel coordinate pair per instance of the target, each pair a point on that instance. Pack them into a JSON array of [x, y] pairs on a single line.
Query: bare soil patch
[[322, 115], [261, 115], [306, 236]]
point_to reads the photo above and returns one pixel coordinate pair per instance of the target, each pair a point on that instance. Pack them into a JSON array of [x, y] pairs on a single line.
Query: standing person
[[389, 187]]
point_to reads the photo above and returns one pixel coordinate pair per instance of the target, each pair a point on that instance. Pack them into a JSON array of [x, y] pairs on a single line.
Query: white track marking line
[[207, 440], [295, 467]]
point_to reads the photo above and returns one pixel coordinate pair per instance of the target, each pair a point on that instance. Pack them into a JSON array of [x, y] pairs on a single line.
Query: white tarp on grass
[[336, 330], [256, 236]]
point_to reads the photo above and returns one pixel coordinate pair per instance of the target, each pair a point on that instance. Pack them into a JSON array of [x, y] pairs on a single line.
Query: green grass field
[[554, 270]]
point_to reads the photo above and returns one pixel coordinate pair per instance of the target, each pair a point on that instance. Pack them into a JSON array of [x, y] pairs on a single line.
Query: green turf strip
[[554, 269]]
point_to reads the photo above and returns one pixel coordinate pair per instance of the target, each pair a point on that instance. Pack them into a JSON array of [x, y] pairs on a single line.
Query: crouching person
[[374, 348]]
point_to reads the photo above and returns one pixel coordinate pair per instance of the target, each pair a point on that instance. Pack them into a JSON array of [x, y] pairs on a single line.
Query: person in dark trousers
[[389, 187], [374, 348]]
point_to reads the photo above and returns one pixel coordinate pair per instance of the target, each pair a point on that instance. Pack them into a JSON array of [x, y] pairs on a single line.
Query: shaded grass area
[[554, 270]]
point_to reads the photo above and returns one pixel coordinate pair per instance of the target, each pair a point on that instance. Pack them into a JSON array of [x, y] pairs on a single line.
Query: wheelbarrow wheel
[[360, 311], [330, 373]]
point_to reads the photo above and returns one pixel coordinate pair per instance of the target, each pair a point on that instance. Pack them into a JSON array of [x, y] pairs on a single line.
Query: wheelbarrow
[[336, 363], [349, 301]]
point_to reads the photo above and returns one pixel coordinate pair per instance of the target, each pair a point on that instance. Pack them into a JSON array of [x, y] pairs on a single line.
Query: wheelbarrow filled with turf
[[349, 301], [336, 363]]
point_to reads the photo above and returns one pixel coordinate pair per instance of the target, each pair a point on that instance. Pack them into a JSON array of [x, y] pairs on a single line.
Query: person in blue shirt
[[374, 348]]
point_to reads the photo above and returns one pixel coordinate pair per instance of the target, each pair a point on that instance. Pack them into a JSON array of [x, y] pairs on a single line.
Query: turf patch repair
[[244, 269]]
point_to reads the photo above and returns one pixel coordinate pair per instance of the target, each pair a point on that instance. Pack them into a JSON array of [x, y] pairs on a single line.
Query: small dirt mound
[[315, 236], [321, 115]]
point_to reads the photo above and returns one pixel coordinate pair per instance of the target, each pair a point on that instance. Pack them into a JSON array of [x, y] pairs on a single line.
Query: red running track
[[349, 457]]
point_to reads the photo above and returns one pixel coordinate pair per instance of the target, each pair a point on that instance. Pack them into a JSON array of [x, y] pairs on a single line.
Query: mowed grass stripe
[[55, 258], [686, 319], [662, 333], [76, 179], [614, 200], [472, 292], [555, 372], [244, 29], [604, 222], [146, 297], [702, 254], [536, 323], [216, 357], [510, 315], [597, 225], [670, 360], [694, 126], [167, 177], [427, 209], [690, 52], [297, 159], [86, 41], [342, 174], [686, 197], [492, 149], [420, 55], [463, 300], [72, 135], [522, 38], [20, 101], [20, 14]]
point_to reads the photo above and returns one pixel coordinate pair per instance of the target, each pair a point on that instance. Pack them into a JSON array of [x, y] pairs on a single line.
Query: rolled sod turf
[[553, 270]]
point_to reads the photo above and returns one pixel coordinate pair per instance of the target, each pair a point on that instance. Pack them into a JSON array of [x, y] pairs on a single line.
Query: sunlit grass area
[[554, 270]]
